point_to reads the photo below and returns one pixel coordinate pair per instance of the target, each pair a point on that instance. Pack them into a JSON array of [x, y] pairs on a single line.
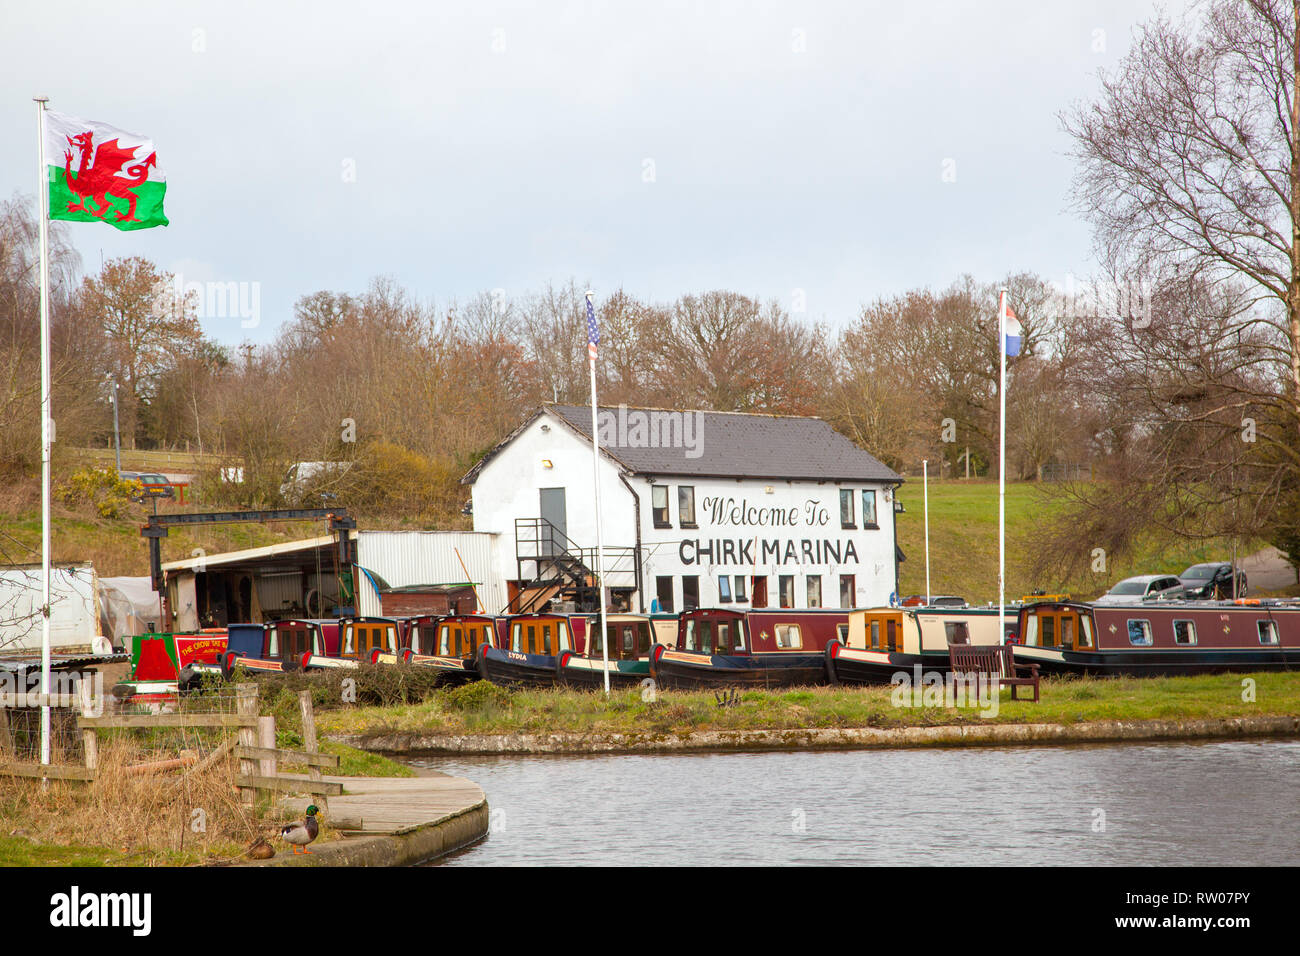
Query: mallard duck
[[302, 832]]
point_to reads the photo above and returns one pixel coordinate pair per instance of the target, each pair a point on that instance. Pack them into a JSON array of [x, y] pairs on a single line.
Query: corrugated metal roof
[[729, 445]]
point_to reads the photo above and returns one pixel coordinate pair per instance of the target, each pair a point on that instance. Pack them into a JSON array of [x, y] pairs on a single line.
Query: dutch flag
[[1011, 328]]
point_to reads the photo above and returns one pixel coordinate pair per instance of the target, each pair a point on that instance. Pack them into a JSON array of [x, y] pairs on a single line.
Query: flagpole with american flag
[[1009, 335], [593, 341]]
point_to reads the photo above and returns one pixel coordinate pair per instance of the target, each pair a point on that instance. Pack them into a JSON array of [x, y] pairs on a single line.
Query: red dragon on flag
[[101, 174], [99, 179]]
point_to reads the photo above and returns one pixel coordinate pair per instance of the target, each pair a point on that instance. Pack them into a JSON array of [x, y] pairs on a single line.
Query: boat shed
[[699, 509], [395, 571]]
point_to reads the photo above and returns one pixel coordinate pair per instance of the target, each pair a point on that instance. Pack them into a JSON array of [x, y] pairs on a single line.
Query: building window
[[1184, 632], [690, 591], [1267, 631], [786, 582], [846, 508], [664, 594], [1139, 633], [869, 510], [659, 506], [814, 590], [724, 590], [740, 588], [760, 591], [848, 591], [686, 505]]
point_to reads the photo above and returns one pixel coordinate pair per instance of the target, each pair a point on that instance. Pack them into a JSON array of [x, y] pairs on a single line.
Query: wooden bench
[[990, 662]]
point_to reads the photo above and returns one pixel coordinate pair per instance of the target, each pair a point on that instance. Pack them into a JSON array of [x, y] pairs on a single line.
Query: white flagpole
[[600, 548], [1002, 464], [925, 483], [47, 423]]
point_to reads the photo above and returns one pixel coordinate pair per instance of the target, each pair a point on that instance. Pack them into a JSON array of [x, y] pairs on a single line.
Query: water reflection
[[1223, 803]]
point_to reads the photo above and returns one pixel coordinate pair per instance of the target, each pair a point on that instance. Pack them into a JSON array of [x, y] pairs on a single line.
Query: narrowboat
[[360, 640], [883, 641], [448, 645], [764, 648], [163, 664], [278, 646], [630, 638], [1162, 639], [529, 649]]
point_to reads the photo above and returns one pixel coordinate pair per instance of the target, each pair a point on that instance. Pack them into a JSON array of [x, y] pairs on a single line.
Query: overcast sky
[[765, 147]]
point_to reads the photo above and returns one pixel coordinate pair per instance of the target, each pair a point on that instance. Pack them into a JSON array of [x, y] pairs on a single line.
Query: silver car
[[1144, 587]]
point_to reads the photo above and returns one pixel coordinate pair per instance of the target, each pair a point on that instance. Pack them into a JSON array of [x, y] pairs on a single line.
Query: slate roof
[[730, 445]]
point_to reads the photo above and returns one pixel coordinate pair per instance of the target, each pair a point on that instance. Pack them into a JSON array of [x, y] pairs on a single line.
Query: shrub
[[102, 488]]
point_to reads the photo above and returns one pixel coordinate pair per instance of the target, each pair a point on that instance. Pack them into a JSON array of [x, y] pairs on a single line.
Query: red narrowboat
[[767, 648], [446, 644], [163, 664], [1160, 640], [360, 640]]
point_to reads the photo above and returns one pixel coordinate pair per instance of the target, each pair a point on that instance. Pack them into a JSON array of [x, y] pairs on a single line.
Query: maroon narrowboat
[[446, 644], [1168, 638], [766, 648], [278, 645], [358, 640]]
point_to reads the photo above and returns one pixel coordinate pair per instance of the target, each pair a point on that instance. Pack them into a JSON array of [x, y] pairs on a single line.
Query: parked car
[[154, 485], [1212, 580], [1143, 587], [302, 475]]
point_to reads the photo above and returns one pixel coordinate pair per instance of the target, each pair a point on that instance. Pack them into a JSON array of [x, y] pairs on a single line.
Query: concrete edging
[[403, 848], [830, 738]]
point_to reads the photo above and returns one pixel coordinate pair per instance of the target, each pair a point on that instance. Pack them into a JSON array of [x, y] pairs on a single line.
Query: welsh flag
[[99, 173]]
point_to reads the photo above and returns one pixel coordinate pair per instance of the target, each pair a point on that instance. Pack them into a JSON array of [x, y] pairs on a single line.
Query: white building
[[699, 509]]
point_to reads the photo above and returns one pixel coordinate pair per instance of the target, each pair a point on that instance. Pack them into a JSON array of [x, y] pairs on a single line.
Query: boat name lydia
[[751, 551]]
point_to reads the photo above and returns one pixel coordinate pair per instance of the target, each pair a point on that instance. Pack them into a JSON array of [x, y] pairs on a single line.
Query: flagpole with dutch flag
[[593, 341], [1009, 335]]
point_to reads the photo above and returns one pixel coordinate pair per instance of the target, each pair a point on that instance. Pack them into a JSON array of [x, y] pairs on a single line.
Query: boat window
[[875, 635], [1184, 632], [788, 635], [1085, 632], [273, 642], [544, 646], [1139, 633], [1067, 631], [1049, 630], [843, 631], [1267, 631], [561, 638], [891, 634], [1031, 630], [516, 638], [957, 632], [442, 647], [724, 589], [738, 637]]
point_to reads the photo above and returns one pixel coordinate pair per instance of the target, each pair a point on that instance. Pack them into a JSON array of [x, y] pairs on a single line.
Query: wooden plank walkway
[[395, 804]]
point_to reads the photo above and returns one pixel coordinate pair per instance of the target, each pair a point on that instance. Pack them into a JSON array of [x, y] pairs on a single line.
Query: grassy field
[[488, 709], [964, 544]]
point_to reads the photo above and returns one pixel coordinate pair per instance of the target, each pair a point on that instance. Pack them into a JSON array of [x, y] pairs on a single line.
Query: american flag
[[593, 331]]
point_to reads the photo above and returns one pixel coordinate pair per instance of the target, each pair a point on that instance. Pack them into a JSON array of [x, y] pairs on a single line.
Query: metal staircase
[[556, 568]]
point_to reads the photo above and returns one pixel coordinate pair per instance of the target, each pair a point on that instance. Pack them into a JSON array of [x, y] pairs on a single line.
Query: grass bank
[[481, 708], [964, 543]]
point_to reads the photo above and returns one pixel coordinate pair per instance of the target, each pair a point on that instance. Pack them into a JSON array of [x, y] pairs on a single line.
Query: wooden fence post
[[246, 706], [6, 739], [266, 738], [309, 740], [89, 736]]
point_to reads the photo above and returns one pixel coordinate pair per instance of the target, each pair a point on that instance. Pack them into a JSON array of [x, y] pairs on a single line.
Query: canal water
[[1221, 803]]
